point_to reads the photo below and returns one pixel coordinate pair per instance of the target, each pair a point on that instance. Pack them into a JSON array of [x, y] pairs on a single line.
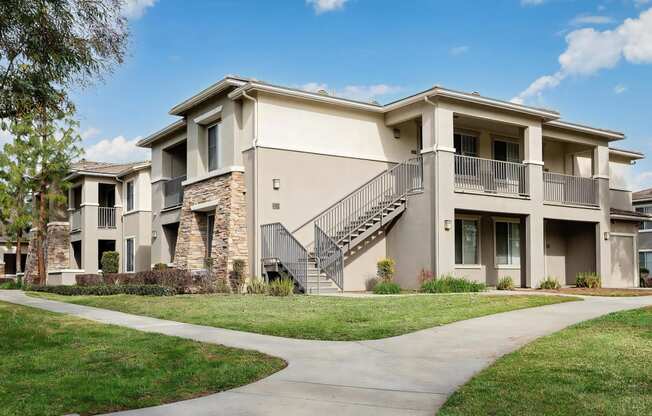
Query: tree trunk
[[19, 269], [40, 235]]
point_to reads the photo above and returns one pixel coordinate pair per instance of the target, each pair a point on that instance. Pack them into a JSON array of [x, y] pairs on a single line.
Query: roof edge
[[221, 85], [170, 128], [609, 134]]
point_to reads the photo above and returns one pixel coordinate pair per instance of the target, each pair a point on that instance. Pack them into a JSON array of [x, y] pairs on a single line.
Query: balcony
[[105, 217], [491, 176], [75, 219], [173, 192], [570, 190]]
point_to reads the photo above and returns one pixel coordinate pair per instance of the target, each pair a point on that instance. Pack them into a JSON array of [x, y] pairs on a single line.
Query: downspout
[[435, 190], [255, 163]]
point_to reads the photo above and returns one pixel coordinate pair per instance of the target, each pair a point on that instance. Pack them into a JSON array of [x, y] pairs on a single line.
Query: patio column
[[534, 161], [534, 230], [534, 250], [603, 228]]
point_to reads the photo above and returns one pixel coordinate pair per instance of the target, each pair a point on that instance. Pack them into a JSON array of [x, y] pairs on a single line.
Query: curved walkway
[[411, 374]]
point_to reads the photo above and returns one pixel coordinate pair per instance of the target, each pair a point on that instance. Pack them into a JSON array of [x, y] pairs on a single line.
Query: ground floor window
[[645, 260], [129, 255], [466, 241], [210, 225], [508, 243]]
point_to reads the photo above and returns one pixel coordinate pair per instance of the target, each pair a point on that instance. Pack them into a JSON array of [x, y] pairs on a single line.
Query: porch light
[[276, 183], [397, 133], [154, 235], [606, 235], [448, 224]]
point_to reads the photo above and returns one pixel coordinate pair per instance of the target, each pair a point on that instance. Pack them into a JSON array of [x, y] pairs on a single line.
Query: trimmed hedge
[[110, 262], [89, 279], [450, 284], [106, 290]]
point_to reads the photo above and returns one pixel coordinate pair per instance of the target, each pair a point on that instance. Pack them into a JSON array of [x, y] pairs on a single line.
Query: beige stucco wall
[[138, 222]]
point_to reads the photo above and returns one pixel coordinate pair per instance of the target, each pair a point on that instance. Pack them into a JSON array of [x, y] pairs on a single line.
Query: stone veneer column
[[57, 255], [31, 265], [229, 234]]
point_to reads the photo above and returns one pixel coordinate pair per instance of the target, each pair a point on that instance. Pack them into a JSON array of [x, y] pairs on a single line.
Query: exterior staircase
[[340, 228]]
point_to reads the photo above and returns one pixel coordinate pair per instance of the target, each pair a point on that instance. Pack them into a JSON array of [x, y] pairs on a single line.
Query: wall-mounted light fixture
[[154, 234], [397, 133], [276, 183], [606, 235], [448, 225]]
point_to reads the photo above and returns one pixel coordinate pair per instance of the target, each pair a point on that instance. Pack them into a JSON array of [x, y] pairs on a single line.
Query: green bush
[[505, 283], [281, 287], [9, 284], [370, 284], [644, 271], [257, 286], [451, 284], [589, 280], [106, 290], [160, 266], [385, 269], [238, 275], [110, 262], [387, 288], [550, 283]]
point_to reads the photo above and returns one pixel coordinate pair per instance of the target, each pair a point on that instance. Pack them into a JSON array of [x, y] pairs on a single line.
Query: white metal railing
[[105, 217], [173, 192], [75, 220], [494, 176], [568, 189]]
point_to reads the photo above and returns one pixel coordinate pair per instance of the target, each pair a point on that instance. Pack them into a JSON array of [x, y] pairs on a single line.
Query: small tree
[[238, 277], [385, 269], [110, 262]]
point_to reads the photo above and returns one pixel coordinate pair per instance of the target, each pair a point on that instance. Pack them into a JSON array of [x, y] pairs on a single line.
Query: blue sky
[[589, 62]]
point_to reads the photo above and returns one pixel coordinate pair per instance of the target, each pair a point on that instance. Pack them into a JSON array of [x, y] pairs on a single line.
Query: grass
[[601, 292], [316, 317], [56, 364], [599, 367]]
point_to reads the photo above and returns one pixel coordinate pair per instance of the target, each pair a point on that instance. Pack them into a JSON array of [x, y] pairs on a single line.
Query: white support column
[[445, 188], [602, 246], [534, 223]]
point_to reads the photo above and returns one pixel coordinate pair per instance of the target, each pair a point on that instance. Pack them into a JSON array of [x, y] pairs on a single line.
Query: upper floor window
[[465, 144], [130, 196], [507, 151], [645, 225], [213, 141]]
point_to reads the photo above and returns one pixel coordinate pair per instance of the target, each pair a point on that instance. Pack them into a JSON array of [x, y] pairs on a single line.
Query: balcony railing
[[75, 220], [173, 192], [570, 190], [492, 176], [105, 217]]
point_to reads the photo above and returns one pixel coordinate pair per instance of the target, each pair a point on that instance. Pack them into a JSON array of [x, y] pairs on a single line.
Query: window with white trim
[[130, 196], [645, 225], [465, 144], [466, 241], [130, 254], [645, 260], [508, 243], [213, 133]]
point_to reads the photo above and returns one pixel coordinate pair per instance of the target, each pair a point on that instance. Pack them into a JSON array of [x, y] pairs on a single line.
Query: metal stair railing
[[280, 245], [329, 256]]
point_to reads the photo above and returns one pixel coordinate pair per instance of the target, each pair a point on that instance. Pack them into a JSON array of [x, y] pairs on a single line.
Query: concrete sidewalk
[[411, 374]]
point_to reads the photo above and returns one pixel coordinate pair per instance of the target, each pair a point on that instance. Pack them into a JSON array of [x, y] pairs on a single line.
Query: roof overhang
[[216, 88], [627, 217], [135, 168], [165, 131], [628, 154], [608, 134]]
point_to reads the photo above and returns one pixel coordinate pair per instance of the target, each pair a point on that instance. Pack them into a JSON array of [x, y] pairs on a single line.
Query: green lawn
[[55, 364], [599, 367], [316, 317]]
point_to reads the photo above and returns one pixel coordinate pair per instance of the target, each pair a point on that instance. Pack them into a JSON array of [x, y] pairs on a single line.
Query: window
[[645, 225], [465, 144], [210, 225], [466, 241], [213, 138], [645, 260], [506, 151], [130, 196], [129, 255], [508, 243]]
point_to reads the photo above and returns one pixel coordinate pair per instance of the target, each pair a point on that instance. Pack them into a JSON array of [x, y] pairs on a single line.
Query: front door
[[623, 261]]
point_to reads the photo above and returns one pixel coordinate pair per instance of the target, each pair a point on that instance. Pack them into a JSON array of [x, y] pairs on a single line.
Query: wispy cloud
[[135, 9], [89, 133], [585, 19], [354, 92], [459, 50], [532, 2], [590, 51], [641, 3], [620, 88], [118, 150], [323, 6]]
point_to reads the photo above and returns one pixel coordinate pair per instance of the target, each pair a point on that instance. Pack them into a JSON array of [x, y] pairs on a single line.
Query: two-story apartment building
[[442, 180], [642, 201]]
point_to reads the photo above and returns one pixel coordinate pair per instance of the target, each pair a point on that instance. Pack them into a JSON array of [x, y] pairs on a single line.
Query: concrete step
[[314, 291]]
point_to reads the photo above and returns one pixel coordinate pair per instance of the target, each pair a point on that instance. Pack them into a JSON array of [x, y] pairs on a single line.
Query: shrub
[[646, 281], [451, 284], [550, 283], [589, 280], [387, 288], [9, 284], [6, 280], [371, 283], [281, 287], [106, 290], [110, 262], [505, 283], [257, 286], [644, 272], [160, 266], [385, 269], [425, 275], [238, 277], [89, 279]]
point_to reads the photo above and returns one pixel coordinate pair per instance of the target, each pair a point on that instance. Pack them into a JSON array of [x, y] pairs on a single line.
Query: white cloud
[[532, 2], [89, 133], [620, 88], [323, 6], [135, 9], [641, 3], [354, 92], [117, 150], [591, 20], [459, 50], [590, 51]]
